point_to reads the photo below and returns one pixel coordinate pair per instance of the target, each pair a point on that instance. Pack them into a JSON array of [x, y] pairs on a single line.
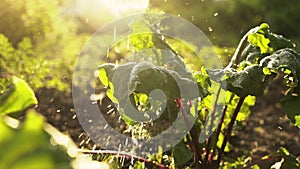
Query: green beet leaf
[[259, 40], [284, 60], [267, 41], [181, 154], [18, 97], [131, 79], [250, 81]]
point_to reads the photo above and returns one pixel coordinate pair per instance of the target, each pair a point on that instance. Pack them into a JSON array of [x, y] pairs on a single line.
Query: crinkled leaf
[[116, 77], [258, 39], [18, 97], [144, 77], [250, 81], [252, 54], [267, 41], [263, 42], [278, 42], [285, 60], [136, 78]]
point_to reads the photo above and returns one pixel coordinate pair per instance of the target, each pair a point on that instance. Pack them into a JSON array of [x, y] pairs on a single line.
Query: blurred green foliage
[[10, 101], [26, 145], [39, 42], [222, 20]]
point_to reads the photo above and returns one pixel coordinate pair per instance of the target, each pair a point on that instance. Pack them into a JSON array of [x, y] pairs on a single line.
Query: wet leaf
[[132, 79], [249, 81], [267, 41], [258, 39], [285, 61]]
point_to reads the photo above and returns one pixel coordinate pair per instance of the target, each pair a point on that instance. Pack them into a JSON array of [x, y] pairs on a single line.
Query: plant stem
[[193, 141], [124, 155], [218, 131], [211, 123], [229, 129], [235, 60]]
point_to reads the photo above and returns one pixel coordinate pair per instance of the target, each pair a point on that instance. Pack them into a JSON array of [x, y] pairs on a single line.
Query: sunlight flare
[[96, 13]]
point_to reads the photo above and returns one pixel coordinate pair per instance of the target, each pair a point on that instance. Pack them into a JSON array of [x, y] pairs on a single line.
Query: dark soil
[[267, 128]]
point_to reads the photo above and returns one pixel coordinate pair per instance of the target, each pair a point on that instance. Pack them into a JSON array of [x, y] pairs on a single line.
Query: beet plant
[[226, 96], [218, 108]]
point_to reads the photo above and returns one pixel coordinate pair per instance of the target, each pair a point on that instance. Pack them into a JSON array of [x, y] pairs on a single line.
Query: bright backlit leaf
[[18, 97], [259, 40]]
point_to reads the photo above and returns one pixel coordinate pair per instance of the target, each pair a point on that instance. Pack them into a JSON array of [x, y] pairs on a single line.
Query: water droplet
[[87, 141], [81, 135], [135, 141], [178, 15], [96, 73], [81, 143], [216, 14], [115, 34], [110, 111], [120, 146], [128, 43], [58, 111], [210, 29], [74, 116], [193, 18]]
